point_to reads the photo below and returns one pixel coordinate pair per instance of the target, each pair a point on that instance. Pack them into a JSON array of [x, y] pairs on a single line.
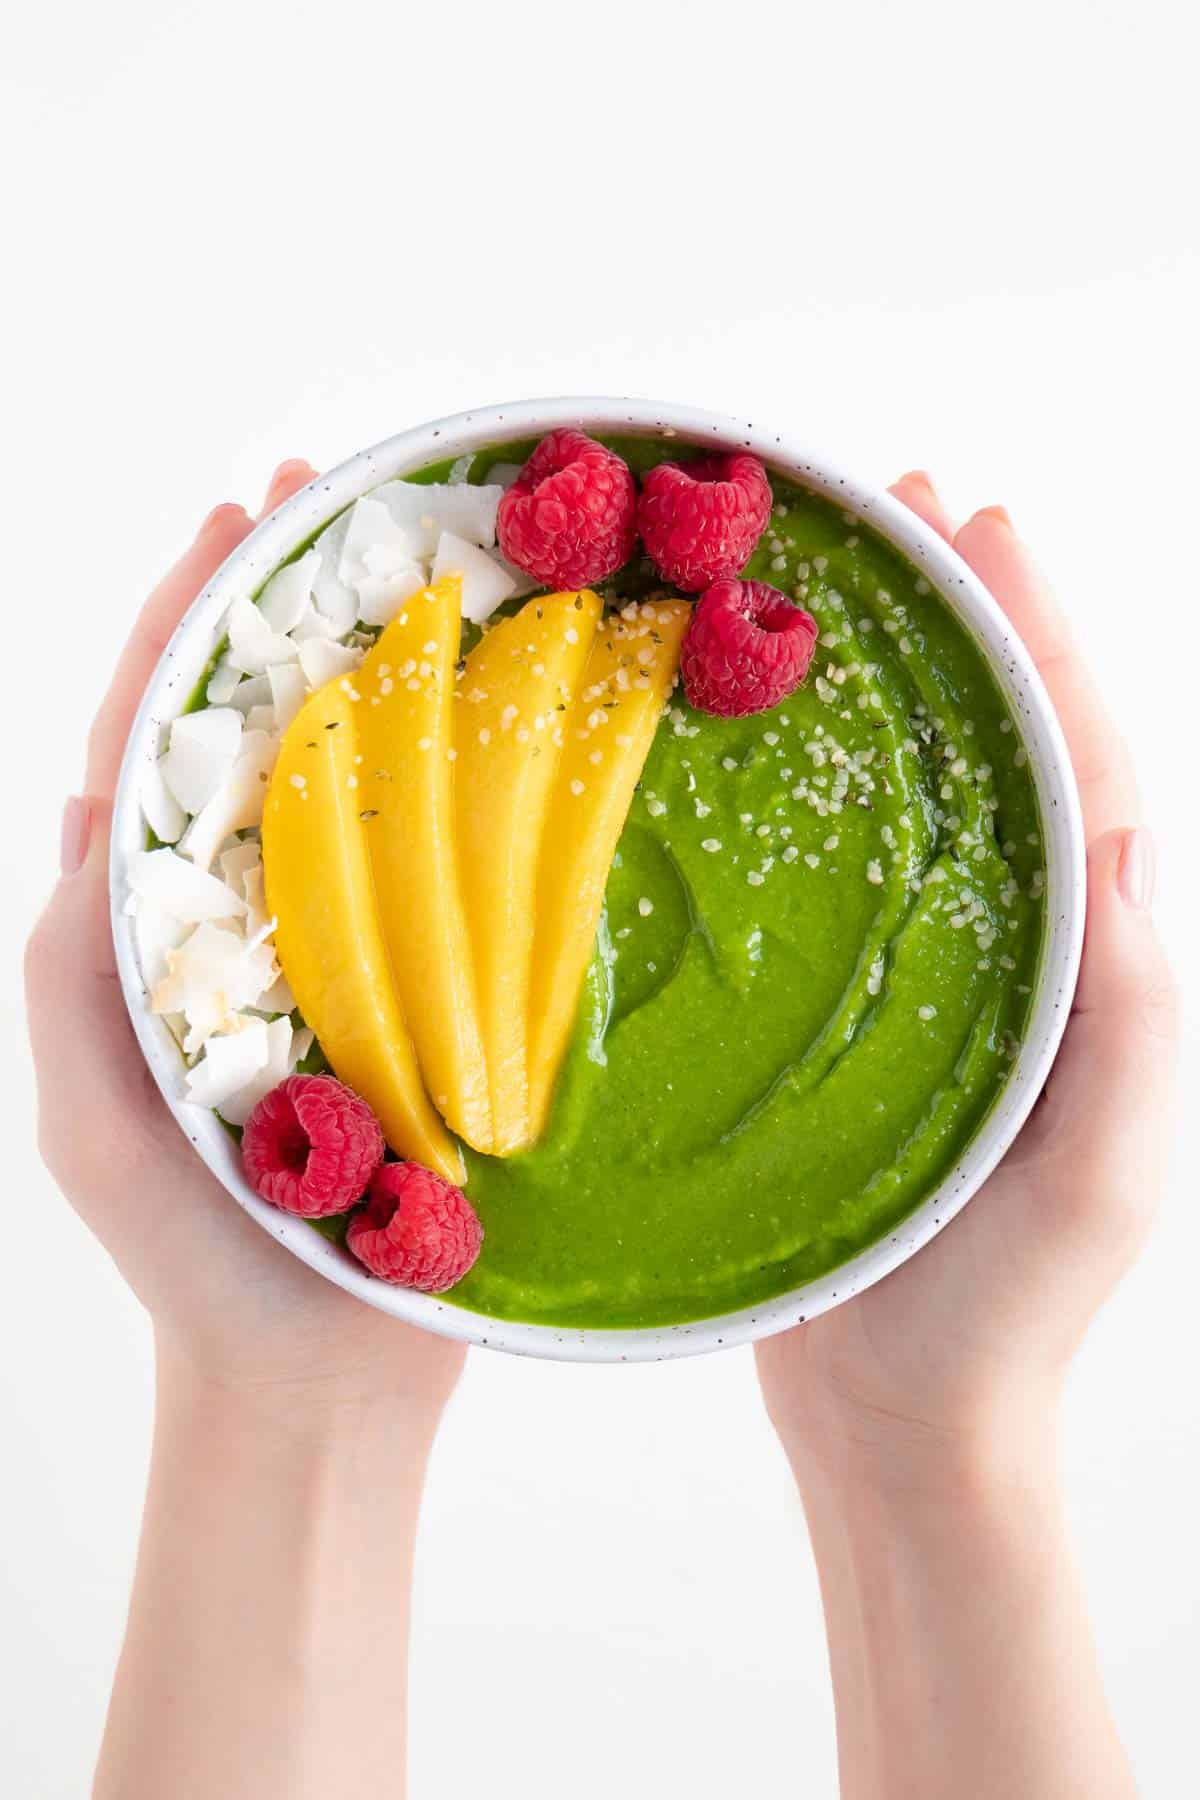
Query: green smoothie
[[820, 939]]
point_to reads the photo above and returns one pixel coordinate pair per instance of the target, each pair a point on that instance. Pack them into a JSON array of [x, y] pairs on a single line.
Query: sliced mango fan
[[408, 846]]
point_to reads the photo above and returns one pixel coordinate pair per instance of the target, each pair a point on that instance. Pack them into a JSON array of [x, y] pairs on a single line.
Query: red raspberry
[[701, 520], [569, 518], [311, 1146], [746, 648], [415, 1229]]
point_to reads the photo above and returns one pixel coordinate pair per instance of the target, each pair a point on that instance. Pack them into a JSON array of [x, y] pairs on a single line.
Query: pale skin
[[269, 1617]]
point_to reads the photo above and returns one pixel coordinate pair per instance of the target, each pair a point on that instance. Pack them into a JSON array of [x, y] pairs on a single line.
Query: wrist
[[912, 1535], [272, 1586], [320, 1416], [957, 1635], [993, 1450]]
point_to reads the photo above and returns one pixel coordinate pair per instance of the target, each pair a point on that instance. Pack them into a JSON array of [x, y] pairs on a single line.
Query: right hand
[[223, 1295]]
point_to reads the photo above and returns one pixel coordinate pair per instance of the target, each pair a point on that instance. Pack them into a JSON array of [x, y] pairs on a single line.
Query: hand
[[951, 1355], [225, 1299]]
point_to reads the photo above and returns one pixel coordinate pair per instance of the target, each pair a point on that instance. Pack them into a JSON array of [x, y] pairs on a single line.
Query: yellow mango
[[405, 725], [520, 680], [610, 727], [327, 935]]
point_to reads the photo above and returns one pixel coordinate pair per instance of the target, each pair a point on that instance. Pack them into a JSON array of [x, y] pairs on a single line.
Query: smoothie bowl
[[593, 880]]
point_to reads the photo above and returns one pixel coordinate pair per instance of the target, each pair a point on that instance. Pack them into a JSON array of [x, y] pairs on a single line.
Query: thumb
[[1108, 1101]]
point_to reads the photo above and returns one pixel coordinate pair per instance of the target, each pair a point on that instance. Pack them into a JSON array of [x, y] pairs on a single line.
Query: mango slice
[[519, 683], [609, 730], [406, 785], [327, 935]]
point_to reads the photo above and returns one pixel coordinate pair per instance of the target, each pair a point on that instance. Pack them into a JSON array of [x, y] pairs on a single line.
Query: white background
[[962, 237]]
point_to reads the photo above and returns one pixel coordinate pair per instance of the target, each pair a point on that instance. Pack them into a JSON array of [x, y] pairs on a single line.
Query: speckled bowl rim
[[295, 521]]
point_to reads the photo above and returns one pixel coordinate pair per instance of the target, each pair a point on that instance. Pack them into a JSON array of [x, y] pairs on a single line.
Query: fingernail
[[997, 512], [76, 829], [1137, 869], [226, 512]]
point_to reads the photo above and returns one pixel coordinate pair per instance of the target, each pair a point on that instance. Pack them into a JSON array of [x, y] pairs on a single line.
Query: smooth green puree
[[820, 938]]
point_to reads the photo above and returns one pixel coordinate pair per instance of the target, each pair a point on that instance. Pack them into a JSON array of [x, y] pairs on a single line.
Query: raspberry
[[747, 647], [569, 519], [311, 1146], [701, 520], [415, 1229]]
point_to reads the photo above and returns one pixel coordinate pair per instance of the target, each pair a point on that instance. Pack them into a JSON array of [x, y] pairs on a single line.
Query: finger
[[73, 941], [70, 973], [103, 1127], [70, 962], [916, 491], [1111, 1085], [1103, 770], [1124, 977], [220, 534], [991, 546], [287, 480]]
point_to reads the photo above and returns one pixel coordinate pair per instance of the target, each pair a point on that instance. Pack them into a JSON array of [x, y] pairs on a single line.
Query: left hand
[[955, 1358]]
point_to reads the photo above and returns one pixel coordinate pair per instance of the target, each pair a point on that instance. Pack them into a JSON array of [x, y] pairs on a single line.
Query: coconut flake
[[334, 601], [424, 510], [222, 682], [241, 868], [261, 718], [229, 1065], [314, 624], [523, 582], [382, 593], [503, 474], [253, 646], [460, 468], [200, 753], [184, 891], [484, 582], [287, 692], [237, 804], [252, 691], [237, 862], [370, 530], [214, 976], [278, 999], [386, 559], [322, 660], [155, 932], [161, 810], [283, 1053], [254, 894], [284, 598]]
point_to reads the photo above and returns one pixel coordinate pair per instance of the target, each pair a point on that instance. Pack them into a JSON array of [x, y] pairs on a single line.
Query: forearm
[[960, 1648], [266, 1650]]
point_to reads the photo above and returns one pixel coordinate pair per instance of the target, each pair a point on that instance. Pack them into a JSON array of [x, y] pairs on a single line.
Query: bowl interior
[[193, 644]]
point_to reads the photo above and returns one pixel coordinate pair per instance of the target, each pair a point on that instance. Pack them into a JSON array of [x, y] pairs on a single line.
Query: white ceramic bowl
[[243, 573]]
